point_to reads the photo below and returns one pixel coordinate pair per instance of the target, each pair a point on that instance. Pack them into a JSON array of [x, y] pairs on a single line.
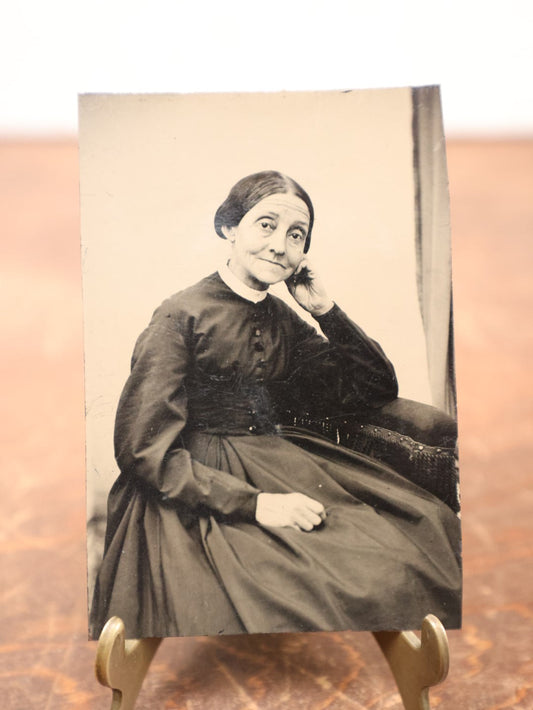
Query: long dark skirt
[[387, 554]]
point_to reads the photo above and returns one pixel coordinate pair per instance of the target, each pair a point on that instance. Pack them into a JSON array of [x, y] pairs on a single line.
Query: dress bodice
[[244, 365]]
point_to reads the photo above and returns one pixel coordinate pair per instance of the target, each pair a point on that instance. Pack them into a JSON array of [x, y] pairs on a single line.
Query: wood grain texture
[[46, 660]]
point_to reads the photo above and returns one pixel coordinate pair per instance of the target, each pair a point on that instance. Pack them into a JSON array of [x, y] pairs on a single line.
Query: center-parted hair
[[250, 190]]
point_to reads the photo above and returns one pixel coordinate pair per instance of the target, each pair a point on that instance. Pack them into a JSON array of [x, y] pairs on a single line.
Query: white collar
[[240, 288]]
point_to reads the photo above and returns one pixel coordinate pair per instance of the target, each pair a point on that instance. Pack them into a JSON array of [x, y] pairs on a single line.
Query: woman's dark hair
[[252, 189]]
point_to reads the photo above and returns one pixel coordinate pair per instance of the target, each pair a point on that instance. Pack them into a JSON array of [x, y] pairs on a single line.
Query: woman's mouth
[[274, 263]]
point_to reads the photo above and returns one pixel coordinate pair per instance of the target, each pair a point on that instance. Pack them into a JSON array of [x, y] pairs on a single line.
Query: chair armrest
[[433, 468], [417, 440], [421, 422]]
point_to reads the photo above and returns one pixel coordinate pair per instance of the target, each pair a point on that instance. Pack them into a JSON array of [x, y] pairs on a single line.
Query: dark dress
[[198, 436]]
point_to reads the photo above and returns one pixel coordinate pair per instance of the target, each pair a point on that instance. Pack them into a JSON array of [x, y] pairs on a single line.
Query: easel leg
[[122, 665], [416, 664]]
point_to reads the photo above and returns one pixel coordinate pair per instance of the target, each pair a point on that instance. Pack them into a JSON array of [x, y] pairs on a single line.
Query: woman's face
[[268, 243]]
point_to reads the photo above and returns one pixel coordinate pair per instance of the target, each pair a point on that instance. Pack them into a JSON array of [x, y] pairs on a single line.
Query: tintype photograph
[[270, 394]]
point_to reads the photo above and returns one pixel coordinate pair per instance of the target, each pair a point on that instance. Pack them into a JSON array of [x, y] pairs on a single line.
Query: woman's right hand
[[289, 510]]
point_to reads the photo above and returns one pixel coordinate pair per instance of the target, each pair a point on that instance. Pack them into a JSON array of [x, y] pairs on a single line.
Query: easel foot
[[417, 664], [122, 665]]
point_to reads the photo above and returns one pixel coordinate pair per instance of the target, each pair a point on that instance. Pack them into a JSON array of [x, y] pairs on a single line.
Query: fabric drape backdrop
[[433, 243]]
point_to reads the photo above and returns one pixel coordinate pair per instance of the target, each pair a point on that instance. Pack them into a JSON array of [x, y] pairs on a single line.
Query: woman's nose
[[277, 241]]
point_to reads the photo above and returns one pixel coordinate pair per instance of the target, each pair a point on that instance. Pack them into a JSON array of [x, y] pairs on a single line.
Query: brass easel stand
[[417, 664]]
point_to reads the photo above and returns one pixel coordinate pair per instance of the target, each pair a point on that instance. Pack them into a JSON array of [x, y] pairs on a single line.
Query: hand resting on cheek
[[307, 289]]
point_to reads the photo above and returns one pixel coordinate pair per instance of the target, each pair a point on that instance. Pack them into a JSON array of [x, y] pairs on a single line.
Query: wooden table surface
[[46, 661]]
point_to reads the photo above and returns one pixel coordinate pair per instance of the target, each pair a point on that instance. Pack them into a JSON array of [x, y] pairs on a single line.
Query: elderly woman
[[222, 520]]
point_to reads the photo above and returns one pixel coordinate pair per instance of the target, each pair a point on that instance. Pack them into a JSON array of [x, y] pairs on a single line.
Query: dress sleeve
[[343, 372], [151, 415]]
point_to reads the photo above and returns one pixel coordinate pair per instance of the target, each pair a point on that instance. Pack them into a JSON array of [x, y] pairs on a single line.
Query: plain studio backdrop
[[155, 168], [481, 54]]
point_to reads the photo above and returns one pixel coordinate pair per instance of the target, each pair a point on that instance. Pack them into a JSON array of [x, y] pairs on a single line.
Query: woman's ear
[[228, 232]]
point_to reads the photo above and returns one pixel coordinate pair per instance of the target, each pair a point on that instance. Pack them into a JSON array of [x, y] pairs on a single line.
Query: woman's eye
[[266, 225], [297, 237]]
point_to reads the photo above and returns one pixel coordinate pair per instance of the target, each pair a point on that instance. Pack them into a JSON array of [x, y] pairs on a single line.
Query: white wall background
[[480, 52]]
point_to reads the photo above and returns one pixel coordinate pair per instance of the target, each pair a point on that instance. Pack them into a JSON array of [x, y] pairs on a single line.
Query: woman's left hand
[[306, 287]]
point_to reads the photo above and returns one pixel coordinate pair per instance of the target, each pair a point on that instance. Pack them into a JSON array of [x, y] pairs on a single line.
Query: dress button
[[259, 347], [252, 428], [257, 332]]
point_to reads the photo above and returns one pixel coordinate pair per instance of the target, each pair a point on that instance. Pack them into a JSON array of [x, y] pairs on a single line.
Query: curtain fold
[[432, 241]]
